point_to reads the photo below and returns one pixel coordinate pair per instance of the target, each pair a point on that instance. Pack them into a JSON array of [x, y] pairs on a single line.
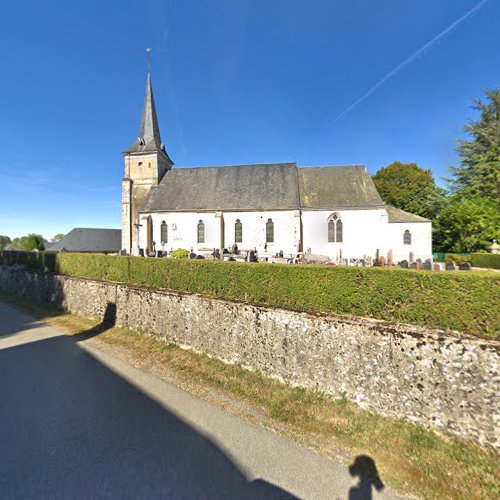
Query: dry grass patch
[[411, 458]]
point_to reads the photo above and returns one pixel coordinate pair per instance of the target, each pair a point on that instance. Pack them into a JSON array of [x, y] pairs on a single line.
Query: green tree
[[470, 220], [4, 241], [409, 187], [57, 237], [467, 224], [30, 242], [479, 172]]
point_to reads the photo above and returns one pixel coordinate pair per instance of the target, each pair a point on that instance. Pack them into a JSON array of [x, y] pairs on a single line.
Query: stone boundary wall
[[449, 381]]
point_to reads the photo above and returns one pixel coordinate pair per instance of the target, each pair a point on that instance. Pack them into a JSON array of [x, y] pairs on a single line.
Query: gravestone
[[389, 258], [450, 266], [411, 257], [427, 265], [465, 266], [437, 267], [381, 261], [414, 265], [404, 264]]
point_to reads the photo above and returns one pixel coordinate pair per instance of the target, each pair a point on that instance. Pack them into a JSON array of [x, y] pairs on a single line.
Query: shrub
[[468, 302], [179, 253], [457, 258], [489, 260]]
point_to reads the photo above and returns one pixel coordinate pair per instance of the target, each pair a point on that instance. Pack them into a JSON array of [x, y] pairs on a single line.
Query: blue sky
[[235, 82]]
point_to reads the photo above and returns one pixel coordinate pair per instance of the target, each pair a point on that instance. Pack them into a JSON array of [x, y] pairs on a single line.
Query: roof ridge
[[333, 166], [199, 167]]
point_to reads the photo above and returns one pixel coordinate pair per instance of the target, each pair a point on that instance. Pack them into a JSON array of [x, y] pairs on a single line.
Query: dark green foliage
[[27, 243], [470, 219], [4, 241], [468, 302], [487, 260], [467, 224], [479, 172], [409, 187]]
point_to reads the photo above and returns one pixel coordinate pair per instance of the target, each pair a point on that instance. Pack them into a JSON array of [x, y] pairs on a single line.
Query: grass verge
[[410, 458]]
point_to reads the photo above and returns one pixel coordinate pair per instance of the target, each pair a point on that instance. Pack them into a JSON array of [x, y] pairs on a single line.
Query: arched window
[[269, 231], [331, 231], [338, 232], [407, 238], [238, 231], [201, 232], [335, 229], [164, 232]]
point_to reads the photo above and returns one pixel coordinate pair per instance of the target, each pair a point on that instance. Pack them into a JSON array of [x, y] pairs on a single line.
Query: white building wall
[[182, 230], [364, 232], [286, 231], [421, 240]]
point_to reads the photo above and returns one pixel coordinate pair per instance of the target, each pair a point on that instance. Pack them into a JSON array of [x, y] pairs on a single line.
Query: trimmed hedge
[[489, 260], [468, 302], [457, 258]]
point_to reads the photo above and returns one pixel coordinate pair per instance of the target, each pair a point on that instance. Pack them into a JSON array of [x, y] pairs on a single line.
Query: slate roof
[[149, 139], [337, 187], [89, 240], [241, 187], [397, 215], [274, 186]]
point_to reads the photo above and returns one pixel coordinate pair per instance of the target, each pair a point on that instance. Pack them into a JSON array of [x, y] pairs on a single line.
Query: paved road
[[77, 423]]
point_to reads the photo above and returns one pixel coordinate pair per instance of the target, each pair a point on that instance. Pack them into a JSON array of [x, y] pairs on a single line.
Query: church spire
[[148, 140]]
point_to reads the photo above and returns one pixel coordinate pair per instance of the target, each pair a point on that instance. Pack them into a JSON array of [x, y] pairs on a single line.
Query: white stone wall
[[364, 232], [182, 230], [421, 240]]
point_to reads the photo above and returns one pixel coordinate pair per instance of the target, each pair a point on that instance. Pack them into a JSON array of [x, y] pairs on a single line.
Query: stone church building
[[332, 211]]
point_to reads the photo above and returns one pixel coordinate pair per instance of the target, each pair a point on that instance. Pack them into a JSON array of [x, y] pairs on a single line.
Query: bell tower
[[146, 162]]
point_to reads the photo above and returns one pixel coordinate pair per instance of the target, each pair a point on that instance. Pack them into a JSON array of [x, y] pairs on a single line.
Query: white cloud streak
[[410, 59]]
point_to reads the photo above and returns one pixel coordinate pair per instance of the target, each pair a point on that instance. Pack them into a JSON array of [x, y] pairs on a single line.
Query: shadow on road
[[70, 425], [364, 467], [108, 321]]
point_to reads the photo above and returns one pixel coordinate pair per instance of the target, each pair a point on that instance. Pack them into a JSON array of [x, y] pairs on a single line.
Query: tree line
[[465, 215], [27, 243]]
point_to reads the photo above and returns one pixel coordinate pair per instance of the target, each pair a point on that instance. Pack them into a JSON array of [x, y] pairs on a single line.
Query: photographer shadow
[[364, 467]]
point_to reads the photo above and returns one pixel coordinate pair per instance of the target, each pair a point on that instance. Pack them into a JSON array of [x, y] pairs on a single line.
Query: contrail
[[410, 59]]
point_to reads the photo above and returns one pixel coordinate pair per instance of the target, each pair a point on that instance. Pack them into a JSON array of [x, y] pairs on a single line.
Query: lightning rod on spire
[[148, 55]]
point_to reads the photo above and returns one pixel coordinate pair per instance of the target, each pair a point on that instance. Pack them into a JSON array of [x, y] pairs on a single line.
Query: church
[[273, 209]]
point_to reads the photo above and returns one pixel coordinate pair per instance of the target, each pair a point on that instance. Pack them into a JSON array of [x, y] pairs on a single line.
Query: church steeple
[[148, 140], [146, 163]]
